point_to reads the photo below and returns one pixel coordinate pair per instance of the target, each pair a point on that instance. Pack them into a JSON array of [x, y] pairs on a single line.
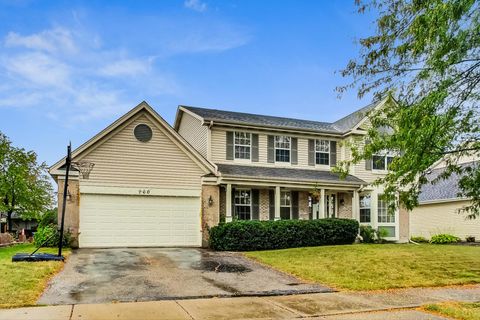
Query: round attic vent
[[143, 133]]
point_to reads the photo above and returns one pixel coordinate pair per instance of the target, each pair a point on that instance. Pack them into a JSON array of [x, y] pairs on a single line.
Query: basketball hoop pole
[[68, 161]]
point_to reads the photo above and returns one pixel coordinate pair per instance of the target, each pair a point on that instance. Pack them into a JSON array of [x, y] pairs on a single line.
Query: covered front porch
[[257, 201]]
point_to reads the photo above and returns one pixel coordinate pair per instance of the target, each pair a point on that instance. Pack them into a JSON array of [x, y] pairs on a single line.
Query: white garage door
[[136, 221]]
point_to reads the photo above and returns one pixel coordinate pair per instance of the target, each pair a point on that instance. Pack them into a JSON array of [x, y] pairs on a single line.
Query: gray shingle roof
[[231, 170], [232, 117], [443, 189], [349, 121]]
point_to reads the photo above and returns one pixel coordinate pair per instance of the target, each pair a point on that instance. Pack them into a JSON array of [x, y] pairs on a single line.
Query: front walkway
[[392, 304]]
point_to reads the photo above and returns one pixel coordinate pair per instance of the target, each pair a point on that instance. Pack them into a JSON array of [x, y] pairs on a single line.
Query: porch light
[[210, 201]]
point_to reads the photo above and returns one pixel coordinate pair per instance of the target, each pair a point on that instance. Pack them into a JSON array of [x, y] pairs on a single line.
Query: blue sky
[[70, 68]]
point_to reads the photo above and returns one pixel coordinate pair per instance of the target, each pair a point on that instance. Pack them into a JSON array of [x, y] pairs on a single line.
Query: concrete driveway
[[147, 274]]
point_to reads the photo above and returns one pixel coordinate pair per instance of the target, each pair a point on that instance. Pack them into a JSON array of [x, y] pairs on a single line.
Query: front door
[[330, 205]]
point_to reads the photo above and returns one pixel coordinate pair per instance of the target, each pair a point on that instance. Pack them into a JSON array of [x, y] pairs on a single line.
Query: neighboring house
[[439, 204], [18, 224], [154, 185]]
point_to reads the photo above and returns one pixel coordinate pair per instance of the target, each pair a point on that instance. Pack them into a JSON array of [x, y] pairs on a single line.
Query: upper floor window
[[322, 152], [365, 208], [282, 148], [381, 162], [383, 215], [242, 145]]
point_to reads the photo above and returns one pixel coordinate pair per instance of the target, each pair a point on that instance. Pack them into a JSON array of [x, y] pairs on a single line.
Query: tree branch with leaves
[[426, 53], [25, 187]]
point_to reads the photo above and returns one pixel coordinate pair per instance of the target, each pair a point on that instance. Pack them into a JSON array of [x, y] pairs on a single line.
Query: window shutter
[[368, 162], [255, 204], [229, 145], [295, 214], [271, 149], [333, 153], [311, 152], [271, 204], [254, 147], [294, 151]]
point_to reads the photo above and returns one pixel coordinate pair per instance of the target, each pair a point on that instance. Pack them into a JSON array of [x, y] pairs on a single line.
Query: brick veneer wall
[[303, 209], [264, 204], [345, 210]]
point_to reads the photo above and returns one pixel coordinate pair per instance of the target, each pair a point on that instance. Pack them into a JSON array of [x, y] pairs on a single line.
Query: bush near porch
[[266, 235]]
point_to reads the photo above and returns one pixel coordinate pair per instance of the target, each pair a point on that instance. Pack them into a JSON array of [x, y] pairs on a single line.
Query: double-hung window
[[243, 204], [242, 145], [383, 215], [365, 208], [282, 148], [322, 152], [285, 204], [382, 161]]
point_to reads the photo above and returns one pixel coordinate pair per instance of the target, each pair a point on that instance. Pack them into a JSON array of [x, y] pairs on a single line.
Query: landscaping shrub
[[368, 234], [419, 239], [267, 235], [48, 218], [48, 236], [444, 238], [470, 239]]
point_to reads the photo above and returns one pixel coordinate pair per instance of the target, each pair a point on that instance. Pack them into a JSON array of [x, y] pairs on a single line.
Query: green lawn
[[462, 311], [21, 283], [382, 266]]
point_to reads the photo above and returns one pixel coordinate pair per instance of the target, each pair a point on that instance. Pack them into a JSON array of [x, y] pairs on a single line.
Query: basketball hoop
[[84, 167]]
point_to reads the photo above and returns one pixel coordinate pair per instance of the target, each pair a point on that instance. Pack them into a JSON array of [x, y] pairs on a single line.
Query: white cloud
[[196, 5], [127, 67], [74, 75], [38, 69], [54, 40], [58, 71]]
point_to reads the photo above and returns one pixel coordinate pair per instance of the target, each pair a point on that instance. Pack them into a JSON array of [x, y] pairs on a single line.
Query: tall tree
[[427, 54], [24, 184]]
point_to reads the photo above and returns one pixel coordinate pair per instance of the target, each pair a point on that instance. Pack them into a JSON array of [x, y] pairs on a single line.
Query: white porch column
[[228, 215], [355, 206], [321, 204], [277, 203]]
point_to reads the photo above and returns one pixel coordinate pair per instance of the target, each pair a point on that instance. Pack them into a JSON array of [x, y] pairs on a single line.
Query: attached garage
[[139, 221], [144, 190]]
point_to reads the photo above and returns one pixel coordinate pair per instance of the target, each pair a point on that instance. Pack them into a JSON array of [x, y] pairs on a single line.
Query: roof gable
[[97, 140]]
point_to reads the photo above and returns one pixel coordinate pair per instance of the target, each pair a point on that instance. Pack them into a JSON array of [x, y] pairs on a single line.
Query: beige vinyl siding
[[191, 129], [218, 148], [358, 169], [122, 160], [429, 219]]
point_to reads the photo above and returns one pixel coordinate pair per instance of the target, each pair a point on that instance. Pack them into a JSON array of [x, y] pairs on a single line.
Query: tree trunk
[[9, 221]]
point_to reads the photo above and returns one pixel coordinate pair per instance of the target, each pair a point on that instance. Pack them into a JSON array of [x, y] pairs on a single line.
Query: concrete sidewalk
[[393, 304]]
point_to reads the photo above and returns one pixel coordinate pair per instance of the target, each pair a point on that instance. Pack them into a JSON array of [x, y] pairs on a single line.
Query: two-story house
[[154, 185]]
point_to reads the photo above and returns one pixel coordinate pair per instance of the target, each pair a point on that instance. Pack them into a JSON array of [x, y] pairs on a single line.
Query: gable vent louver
[[143, 133]]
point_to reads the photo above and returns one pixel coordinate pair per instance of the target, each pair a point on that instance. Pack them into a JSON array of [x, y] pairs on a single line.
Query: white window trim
[[242, 145], [289, 150], [242, 205], [285, 206], [328, 153], [360, 208], [385, 156], [395, 224]]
